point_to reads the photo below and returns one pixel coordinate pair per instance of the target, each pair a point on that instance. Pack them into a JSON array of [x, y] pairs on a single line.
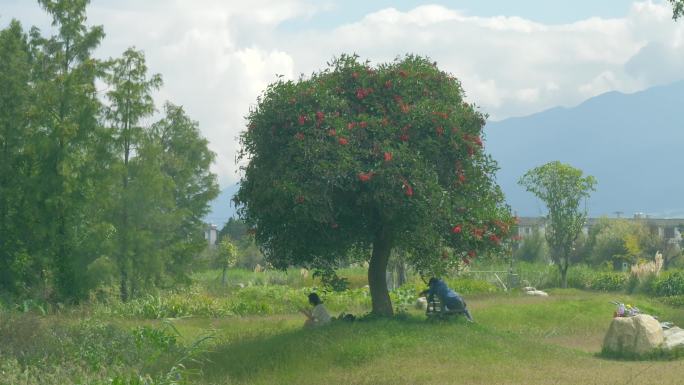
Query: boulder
[[421, 303], [674, 338], [637, 335]]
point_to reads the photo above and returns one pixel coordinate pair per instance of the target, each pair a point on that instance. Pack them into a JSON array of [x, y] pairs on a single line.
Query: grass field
[[516, 340]]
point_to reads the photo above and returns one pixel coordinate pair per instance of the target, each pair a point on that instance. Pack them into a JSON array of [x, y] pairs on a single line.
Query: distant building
[[667, 229], [211, 234]]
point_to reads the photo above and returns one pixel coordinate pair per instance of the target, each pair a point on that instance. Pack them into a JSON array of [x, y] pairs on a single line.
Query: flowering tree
[[375, 158]]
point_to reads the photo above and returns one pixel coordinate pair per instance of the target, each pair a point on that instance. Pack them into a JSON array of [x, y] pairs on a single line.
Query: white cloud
[[217, 56]]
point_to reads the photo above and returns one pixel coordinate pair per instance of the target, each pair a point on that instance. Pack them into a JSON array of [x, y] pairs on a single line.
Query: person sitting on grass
[[318, 315], [450, 301]]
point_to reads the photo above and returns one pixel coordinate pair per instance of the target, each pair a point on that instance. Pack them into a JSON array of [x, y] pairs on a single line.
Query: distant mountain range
[[632, 143]]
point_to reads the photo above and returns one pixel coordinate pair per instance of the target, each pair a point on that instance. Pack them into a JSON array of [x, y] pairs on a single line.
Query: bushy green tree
[[377, 157], [533, 248], [227, 254], [617, 241], [17, 216], [235, 228], [64, 112], [84, 184], [184, 160], [561, 187], [130, 101]]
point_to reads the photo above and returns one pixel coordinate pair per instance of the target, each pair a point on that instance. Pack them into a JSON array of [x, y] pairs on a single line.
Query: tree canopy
[[561, 187], [373, 158], [89, 193], [677, 8]]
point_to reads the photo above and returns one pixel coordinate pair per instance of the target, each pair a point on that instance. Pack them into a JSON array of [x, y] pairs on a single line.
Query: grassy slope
[[516, 339]]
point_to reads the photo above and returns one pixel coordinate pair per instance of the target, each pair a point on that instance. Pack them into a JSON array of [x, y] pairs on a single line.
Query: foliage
[[561, 187], [677, 8], [532, 248], [84, 183], [360, 156], [618, 241], [34, 351], [669, 284], [331, 280]]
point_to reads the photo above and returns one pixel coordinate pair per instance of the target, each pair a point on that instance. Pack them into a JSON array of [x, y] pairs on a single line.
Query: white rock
[[639, 334], [529, 288], [421, 303], [674, 338], [538, 293]]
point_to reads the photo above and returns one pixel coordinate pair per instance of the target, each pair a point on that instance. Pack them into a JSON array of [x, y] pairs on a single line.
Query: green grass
[[516, 339], [257, 338]]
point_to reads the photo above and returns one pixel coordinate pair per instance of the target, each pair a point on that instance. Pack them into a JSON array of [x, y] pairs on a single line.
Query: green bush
[[605, 281], [34, 350], [669, 284]]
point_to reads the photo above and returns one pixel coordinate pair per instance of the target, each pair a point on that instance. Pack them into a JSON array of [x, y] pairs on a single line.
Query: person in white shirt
[[318, 315]]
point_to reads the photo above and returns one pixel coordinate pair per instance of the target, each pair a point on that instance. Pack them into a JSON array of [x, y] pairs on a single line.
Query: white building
[[211, 234]]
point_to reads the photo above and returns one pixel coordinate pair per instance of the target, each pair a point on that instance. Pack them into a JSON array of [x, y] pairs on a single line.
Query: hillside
[[632, 143]]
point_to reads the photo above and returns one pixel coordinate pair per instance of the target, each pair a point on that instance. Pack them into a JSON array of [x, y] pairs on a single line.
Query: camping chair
[[434, 310]]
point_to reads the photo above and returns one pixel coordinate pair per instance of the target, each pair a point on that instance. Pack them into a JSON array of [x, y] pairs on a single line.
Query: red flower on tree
[[320, 116], [299, 136], [404, 138], [363, 124], [457, 229], [477, 140], [351, 125], [332, 132], [440, 131], [365, 176], [477, 233], [495, 239], [343, 141], [302, 119], [388, 156], [461, 177], [408, 190]]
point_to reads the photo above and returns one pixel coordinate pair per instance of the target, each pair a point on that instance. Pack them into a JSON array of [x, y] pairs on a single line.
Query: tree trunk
[[123, 285], [401, 272], [382, 305], [563, 267]]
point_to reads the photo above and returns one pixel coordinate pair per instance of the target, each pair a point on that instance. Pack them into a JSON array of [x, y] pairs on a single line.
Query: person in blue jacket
[[449, 299]]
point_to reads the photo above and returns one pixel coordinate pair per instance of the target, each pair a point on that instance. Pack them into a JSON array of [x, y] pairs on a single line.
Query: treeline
[[90, 193], [609, 244]]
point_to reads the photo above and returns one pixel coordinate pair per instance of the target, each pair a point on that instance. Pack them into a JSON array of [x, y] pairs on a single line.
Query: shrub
[[606, 281], [669, 284]]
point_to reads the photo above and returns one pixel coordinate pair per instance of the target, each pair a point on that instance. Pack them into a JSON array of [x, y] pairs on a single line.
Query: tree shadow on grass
[[296, 352]]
